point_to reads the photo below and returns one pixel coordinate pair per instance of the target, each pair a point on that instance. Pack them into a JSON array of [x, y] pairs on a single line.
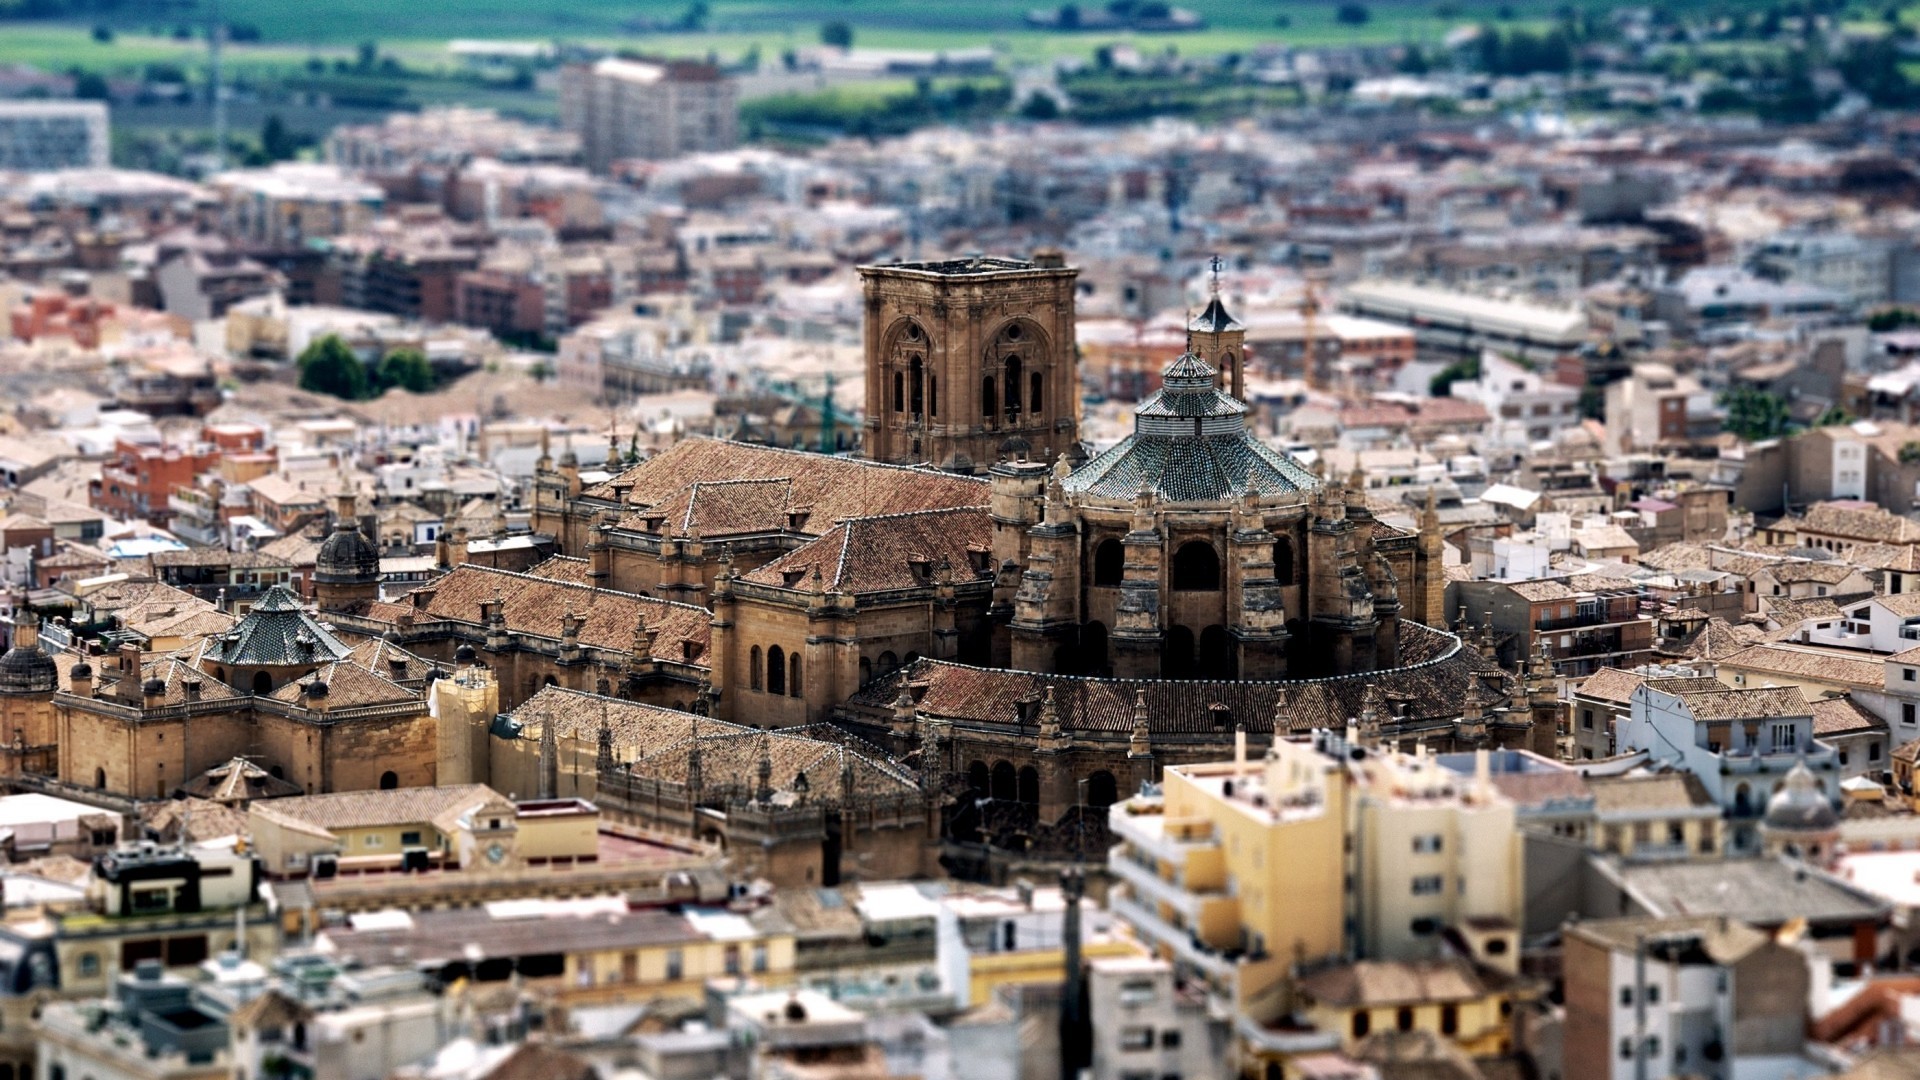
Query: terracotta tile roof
[[1808, 663], [1829, 572], [1431, 686], [372, 809], [540, 1061], [1902, 557], [1856, 522], [1727, 703], [537, 605], [378, 655], [348, 686], [1904, 605], [1841, 716], [872, 554], [1377, 983], [177, 669], [828, 488], [723, 508], [562, 568], [1715, 638], [1672, 792], [1537, 591], [205, 819], [1611, 684], [1676, 557]]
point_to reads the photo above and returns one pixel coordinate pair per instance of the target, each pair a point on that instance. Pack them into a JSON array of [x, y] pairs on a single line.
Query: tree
[[1353, 13], [368, 52], [276, 142], [541, 371], [1833, 416], [1441, 384], [328, 367], [103, 34], [407, 369], [89, 86], [837, 33], [1754, 414], [1039, 106]]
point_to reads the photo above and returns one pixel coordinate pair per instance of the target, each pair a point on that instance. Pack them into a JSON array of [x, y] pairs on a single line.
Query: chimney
[[1239, 749]]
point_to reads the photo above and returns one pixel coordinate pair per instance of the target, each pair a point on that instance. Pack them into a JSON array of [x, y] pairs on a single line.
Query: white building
[[1446, 320], [1523, 407], [635, 109], [1146, 1024], [39, 136]]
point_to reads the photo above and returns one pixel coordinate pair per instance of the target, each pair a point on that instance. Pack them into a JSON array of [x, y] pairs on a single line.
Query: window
[[1428, 884], [1586, 719], [1626, 1048], [1653, 1046], [1626, 996], [89, 964], [1449, 1019], [1403, 1018], [1873, 751], [151, 899], [1362, 1023], [410, 839], [777, 671], [1136, 1038], [753, 668], [1169, 1039], [1906, 714], [733, 960], [1426, 845], [676, 965], [1653, 994], [1906, 674], [759, 957], [373, 840]]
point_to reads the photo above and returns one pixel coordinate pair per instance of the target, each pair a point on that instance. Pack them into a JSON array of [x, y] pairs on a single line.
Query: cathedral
[[1035, 626]]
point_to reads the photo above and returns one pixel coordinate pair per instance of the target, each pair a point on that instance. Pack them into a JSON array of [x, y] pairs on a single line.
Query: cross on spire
[[1213, 281]]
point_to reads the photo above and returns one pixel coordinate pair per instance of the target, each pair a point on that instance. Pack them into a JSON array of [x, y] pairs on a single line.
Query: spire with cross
[[1213, 280]]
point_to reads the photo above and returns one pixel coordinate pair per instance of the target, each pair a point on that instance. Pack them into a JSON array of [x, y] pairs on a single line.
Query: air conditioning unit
[[326, 866]]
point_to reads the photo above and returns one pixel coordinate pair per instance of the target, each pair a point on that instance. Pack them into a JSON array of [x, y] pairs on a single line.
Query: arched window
[[793, 675], [1093, 649], [978, 780], [918, 383], [899, 392], [1216, 659], [1403, 1019], [1013, 388], [887, 662], [753, 668], [1109, 562], [277, 773], [1196, 567], [1033, 396], [100, 778], [1006, 784], [389, 780], [776, 670], [262, 683], [988, 410], [1102, 790], [1030, 786], [866, 670], [549, 681], [1283, 561], [1176, 658], [933, 394]]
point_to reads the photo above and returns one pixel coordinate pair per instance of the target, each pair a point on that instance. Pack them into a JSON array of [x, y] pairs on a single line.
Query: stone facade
[[969, 359]]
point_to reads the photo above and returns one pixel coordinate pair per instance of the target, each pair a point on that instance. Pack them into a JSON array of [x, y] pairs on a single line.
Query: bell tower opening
[[1004, 325]]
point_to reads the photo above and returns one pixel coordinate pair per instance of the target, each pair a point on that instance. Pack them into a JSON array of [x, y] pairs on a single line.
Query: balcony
[[1152, 887], [1159, 931], [1150, 833]]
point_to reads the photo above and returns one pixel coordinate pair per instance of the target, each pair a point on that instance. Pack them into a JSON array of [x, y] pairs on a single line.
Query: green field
[[417, 32]]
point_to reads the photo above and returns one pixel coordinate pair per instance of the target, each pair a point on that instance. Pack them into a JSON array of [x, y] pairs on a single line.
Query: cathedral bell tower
[[970, 361]]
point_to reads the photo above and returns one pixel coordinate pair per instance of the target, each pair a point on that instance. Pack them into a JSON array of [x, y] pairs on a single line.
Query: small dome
[[465, 655], [27, 670], [346, 557], [81, 670], [316, 689], [154, 686], [1800, 806]]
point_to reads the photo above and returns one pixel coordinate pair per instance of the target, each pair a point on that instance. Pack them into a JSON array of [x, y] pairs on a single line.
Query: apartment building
[[648, 110], [1323, 852], [1708, 997], [38, 136]]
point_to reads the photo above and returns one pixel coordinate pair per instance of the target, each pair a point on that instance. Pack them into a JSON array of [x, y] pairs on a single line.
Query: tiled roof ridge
[[862, 462], [523, 576], [853, 744]]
